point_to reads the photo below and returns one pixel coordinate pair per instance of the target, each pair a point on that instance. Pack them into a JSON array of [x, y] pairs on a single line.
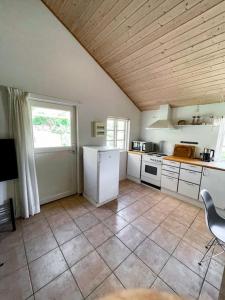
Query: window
[[117, 133], [51, 127]]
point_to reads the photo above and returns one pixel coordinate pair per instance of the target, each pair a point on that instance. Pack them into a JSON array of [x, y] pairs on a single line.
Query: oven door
[[151, 172]]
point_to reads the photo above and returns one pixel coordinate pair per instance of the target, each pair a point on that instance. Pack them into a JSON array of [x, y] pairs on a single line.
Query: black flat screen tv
[[8, 161]]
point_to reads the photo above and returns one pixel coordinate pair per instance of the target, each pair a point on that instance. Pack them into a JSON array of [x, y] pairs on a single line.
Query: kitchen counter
[[197, 162], [135, 152]]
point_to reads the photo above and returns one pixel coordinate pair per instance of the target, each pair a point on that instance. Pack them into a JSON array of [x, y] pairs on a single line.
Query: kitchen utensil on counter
[[207, 155], [184, 151]]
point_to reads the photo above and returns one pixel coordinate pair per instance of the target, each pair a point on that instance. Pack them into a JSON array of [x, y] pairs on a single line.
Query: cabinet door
[[188, 189], [214, 181], [169, 183], [134, 165], [190, 176]]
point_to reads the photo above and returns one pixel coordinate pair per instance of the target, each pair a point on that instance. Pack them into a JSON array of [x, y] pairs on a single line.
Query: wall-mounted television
[[8, 161]]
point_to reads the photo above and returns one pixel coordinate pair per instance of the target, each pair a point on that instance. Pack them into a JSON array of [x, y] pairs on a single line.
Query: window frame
[[56, 106], [115, 130]]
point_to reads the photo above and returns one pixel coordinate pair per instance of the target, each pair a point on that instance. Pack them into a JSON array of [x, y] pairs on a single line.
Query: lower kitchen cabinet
[[188, 189], [214, 181], [169, 183], [134, 166]]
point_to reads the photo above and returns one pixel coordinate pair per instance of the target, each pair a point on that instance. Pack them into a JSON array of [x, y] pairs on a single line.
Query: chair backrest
[[210, 210]]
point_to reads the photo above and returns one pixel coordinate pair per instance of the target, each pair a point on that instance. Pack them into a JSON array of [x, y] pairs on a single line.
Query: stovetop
[[156, 154]]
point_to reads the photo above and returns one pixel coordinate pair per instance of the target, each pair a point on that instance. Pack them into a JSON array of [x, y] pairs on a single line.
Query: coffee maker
[[207, 155]]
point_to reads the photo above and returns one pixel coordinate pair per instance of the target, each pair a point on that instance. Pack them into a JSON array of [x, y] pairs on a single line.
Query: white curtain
[[220, 139], [20, 126]]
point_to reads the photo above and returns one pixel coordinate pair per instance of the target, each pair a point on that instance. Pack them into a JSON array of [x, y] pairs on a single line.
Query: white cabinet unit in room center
[[214, 181]]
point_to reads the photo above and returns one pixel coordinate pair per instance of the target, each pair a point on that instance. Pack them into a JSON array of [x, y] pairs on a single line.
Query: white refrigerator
[[101, 174]]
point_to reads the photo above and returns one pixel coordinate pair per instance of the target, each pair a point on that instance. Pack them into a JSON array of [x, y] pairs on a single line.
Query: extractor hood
[[164, 118]]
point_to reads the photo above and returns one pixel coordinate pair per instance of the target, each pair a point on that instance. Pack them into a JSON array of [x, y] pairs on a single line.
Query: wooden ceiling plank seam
[[96, 17], [179, 93], [117, 22], [203, 73], [211, 33], [118, 7], [181, 20], [196, 65], [178, 42], [168, 62], [172, 82], [137, 26], [85, 16], [178, 33]]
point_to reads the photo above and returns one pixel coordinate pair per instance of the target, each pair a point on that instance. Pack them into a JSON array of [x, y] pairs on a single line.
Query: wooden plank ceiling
[[157, 51]]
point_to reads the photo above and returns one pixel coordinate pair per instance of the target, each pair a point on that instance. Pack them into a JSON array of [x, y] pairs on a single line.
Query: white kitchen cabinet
[[188, 189], [170, 173], [214, 181], [170, 168], [169, 183], [191, 167], [134, 166], [190, 176], [171, 163]]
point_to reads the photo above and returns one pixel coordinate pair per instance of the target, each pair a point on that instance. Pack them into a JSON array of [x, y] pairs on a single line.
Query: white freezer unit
[[101, 174]]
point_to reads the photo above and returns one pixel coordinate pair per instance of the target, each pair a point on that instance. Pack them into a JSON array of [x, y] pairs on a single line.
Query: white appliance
[[101, 174], [151, 168]]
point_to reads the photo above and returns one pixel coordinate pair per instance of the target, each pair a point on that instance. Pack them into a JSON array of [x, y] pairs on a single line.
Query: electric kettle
[[207, 155]]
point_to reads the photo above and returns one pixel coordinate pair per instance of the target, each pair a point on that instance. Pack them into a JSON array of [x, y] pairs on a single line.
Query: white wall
[[205, 136], [38, 55]]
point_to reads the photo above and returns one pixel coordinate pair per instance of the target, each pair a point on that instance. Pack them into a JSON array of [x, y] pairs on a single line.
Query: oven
[[151, 171]]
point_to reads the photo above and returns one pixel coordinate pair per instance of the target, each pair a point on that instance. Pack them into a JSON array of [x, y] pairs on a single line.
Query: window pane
[[121, 125], [120, 144], [110, 124], [110, 135], [51, 127], [110, 143], [120, 135]]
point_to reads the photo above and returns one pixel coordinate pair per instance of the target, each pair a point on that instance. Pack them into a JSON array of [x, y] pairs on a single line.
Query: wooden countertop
[[135, 152], [197, 162]]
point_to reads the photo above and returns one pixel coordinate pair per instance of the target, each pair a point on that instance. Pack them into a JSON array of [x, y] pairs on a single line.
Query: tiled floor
[[71, 250]]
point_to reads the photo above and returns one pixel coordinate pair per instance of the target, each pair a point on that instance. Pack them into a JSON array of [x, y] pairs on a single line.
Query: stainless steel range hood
[[164, 118]]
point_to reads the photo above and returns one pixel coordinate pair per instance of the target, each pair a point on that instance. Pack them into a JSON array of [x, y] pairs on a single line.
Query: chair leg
[[209, 246], [209, 243]]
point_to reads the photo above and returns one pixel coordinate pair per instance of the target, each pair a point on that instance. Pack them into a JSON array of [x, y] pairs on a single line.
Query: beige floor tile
[[140, 276], [116, 205], [102, 213], [127, 199], [144, 225], [13, 260], [215, 273], [155, 215], [149, 200], [181, 279], [53, 210], [32, 219], [152, 255], [63, 287], [90, 272], [77, 210], [16, 286], [183, 218], [76, 249], [158, 195], [189, 209], [115, 223], [9, 240], [164, 239], [209, 292], [113, 251], [131, 236], [196, 239], [174, 227], [86, 221], [201, 228], [46, 268], [58, 219], [40, 245], [129, 214], [190, 256], [109, 285], [35, 229], [66, 232], [161, 286], [98, 234]]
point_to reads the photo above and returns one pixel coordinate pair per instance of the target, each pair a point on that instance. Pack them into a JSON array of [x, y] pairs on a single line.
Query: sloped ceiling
[[159, 51]]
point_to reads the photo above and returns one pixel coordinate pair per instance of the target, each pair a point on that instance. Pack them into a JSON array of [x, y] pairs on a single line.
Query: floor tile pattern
[[73, 250]]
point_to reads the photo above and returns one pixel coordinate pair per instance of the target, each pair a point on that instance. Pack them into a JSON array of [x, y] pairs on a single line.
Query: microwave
[[144, 146]]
